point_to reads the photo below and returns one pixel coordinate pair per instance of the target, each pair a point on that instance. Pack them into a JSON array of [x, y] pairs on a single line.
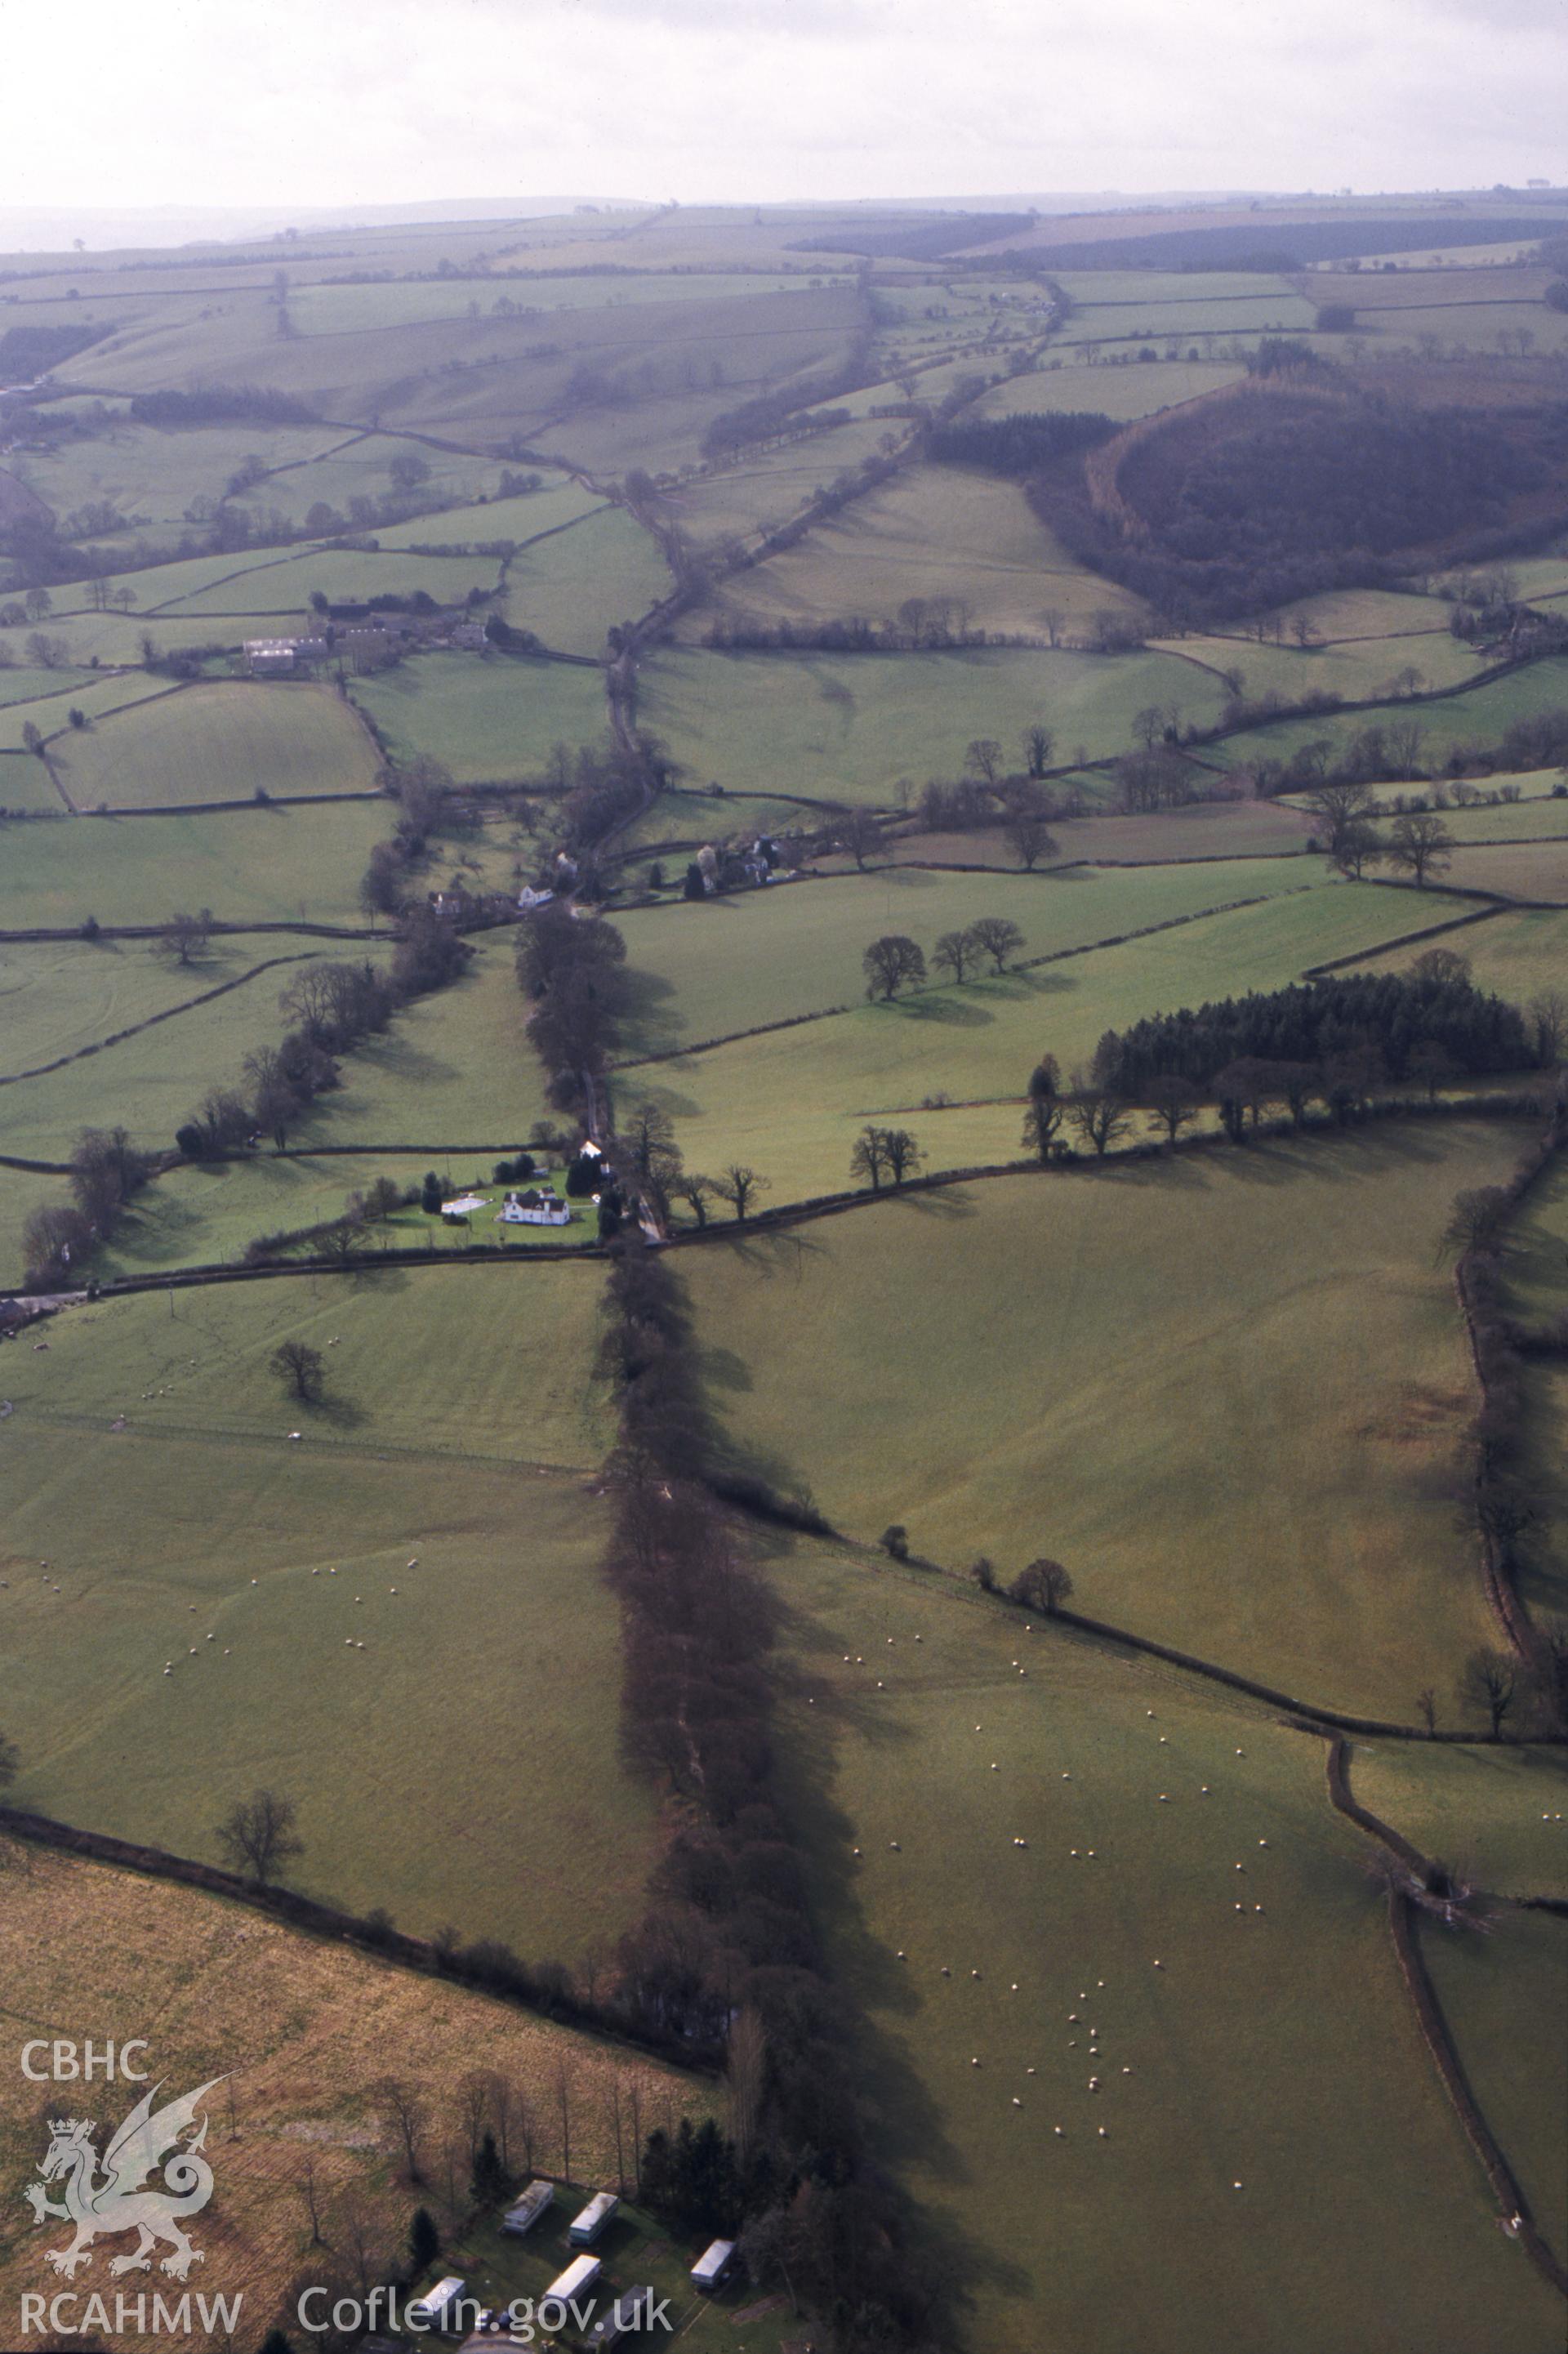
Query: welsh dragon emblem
[[113, 2201]]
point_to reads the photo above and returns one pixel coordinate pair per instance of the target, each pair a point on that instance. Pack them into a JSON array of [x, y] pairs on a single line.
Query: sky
[[246, 103]]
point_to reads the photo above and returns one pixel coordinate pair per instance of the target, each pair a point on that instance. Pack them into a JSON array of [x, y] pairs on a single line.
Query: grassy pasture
[[1490, 1813], [455, 1068], [57, 997], [24, 684], [571, 589], [1355, 671], [1504, 1998], [218, 741], [1515, 953], [286, 584], [259, 865], [728, 964], [26, 786], [1123, 393], [1525, 871], [151, 476], [792, 1103], [1479, 716], [1276, 2051], [559, 501], [483, 719], [772, 484], [845, 728], [1186, 320], [306, 2029], [1541, 816], [97, 696], [430, 1454], [148, 1083], [934, 529], [1289, 1516]]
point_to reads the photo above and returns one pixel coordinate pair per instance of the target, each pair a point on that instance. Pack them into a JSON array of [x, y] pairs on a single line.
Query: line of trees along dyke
[[727, 1957], [332, 1006]]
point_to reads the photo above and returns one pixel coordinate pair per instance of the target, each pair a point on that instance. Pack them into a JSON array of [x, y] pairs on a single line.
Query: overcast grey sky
[[246, 102]]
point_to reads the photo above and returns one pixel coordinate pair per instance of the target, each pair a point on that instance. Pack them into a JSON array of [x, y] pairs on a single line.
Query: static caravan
[[631, 2311], [521, 2218], [580, 2276], [586, 2228], [438, 2309], [712, 2266]]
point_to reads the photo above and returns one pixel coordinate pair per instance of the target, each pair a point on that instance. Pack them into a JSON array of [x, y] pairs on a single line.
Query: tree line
[[727, 1957]]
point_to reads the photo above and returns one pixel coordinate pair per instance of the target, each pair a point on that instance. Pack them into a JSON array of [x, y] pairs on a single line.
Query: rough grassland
[[484, 719], [770, 485], [1232, 830], [1273, 2050], [572, 589], [728, 964], [1529, 871], [201, 1517], [1354, 670], [936, 529], [847, 728], [219, 743], [304, 2031], [261, 866], [791, 1103], [1022, 1356]]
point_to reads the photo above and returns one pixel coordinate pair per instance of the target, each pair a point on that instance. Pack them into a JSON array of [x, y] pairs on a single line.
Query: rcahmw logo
[[104, 2198]]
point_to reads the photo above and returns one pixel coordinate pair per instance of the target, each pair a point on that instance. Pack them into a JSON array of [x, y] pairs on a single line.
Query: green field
[[847, 727], [1248, 2062], [1123, 393], [559, 502], [574, 587], [96, 697], [274, 584], [254, 865], [200, 1516], [791, 1103], [1287, 1515], [482, 718], [63, 997], [1479, 716], [933, 531], [222, 741], [26, 786], [1516, 953], [1356, 668], [716, 966]]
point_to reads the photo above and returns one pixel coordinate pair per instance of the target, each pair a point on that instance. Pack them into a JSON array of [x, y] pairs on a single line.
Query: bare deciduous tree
[[258, 1836], [1489, 1681]]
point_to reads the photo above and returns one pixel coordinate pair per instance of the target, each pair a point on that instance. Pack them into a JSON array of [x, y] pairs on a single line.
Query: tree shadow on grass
[[954, 1012], [905, 2121]]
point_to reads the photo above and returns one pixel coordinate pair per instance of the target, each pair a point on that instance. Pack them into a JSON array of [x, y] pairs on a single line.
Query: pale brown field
[[304, 2031]]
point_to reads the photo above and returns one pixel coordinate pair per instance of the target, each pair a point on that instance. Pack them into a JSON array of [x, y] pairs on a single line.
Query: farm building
[[536, 1207], [586, 2228], [535, 2200], [528, 899]]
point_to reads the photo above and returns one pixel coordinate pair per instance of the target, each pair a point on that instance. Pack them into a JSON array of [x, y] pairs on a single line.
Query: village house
[[536, 1207]]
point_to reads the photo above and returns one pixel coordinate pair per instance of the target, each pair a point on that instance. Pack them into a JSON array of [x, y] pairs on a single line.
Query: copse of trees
[[1314, 1024], [1021, 445]]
